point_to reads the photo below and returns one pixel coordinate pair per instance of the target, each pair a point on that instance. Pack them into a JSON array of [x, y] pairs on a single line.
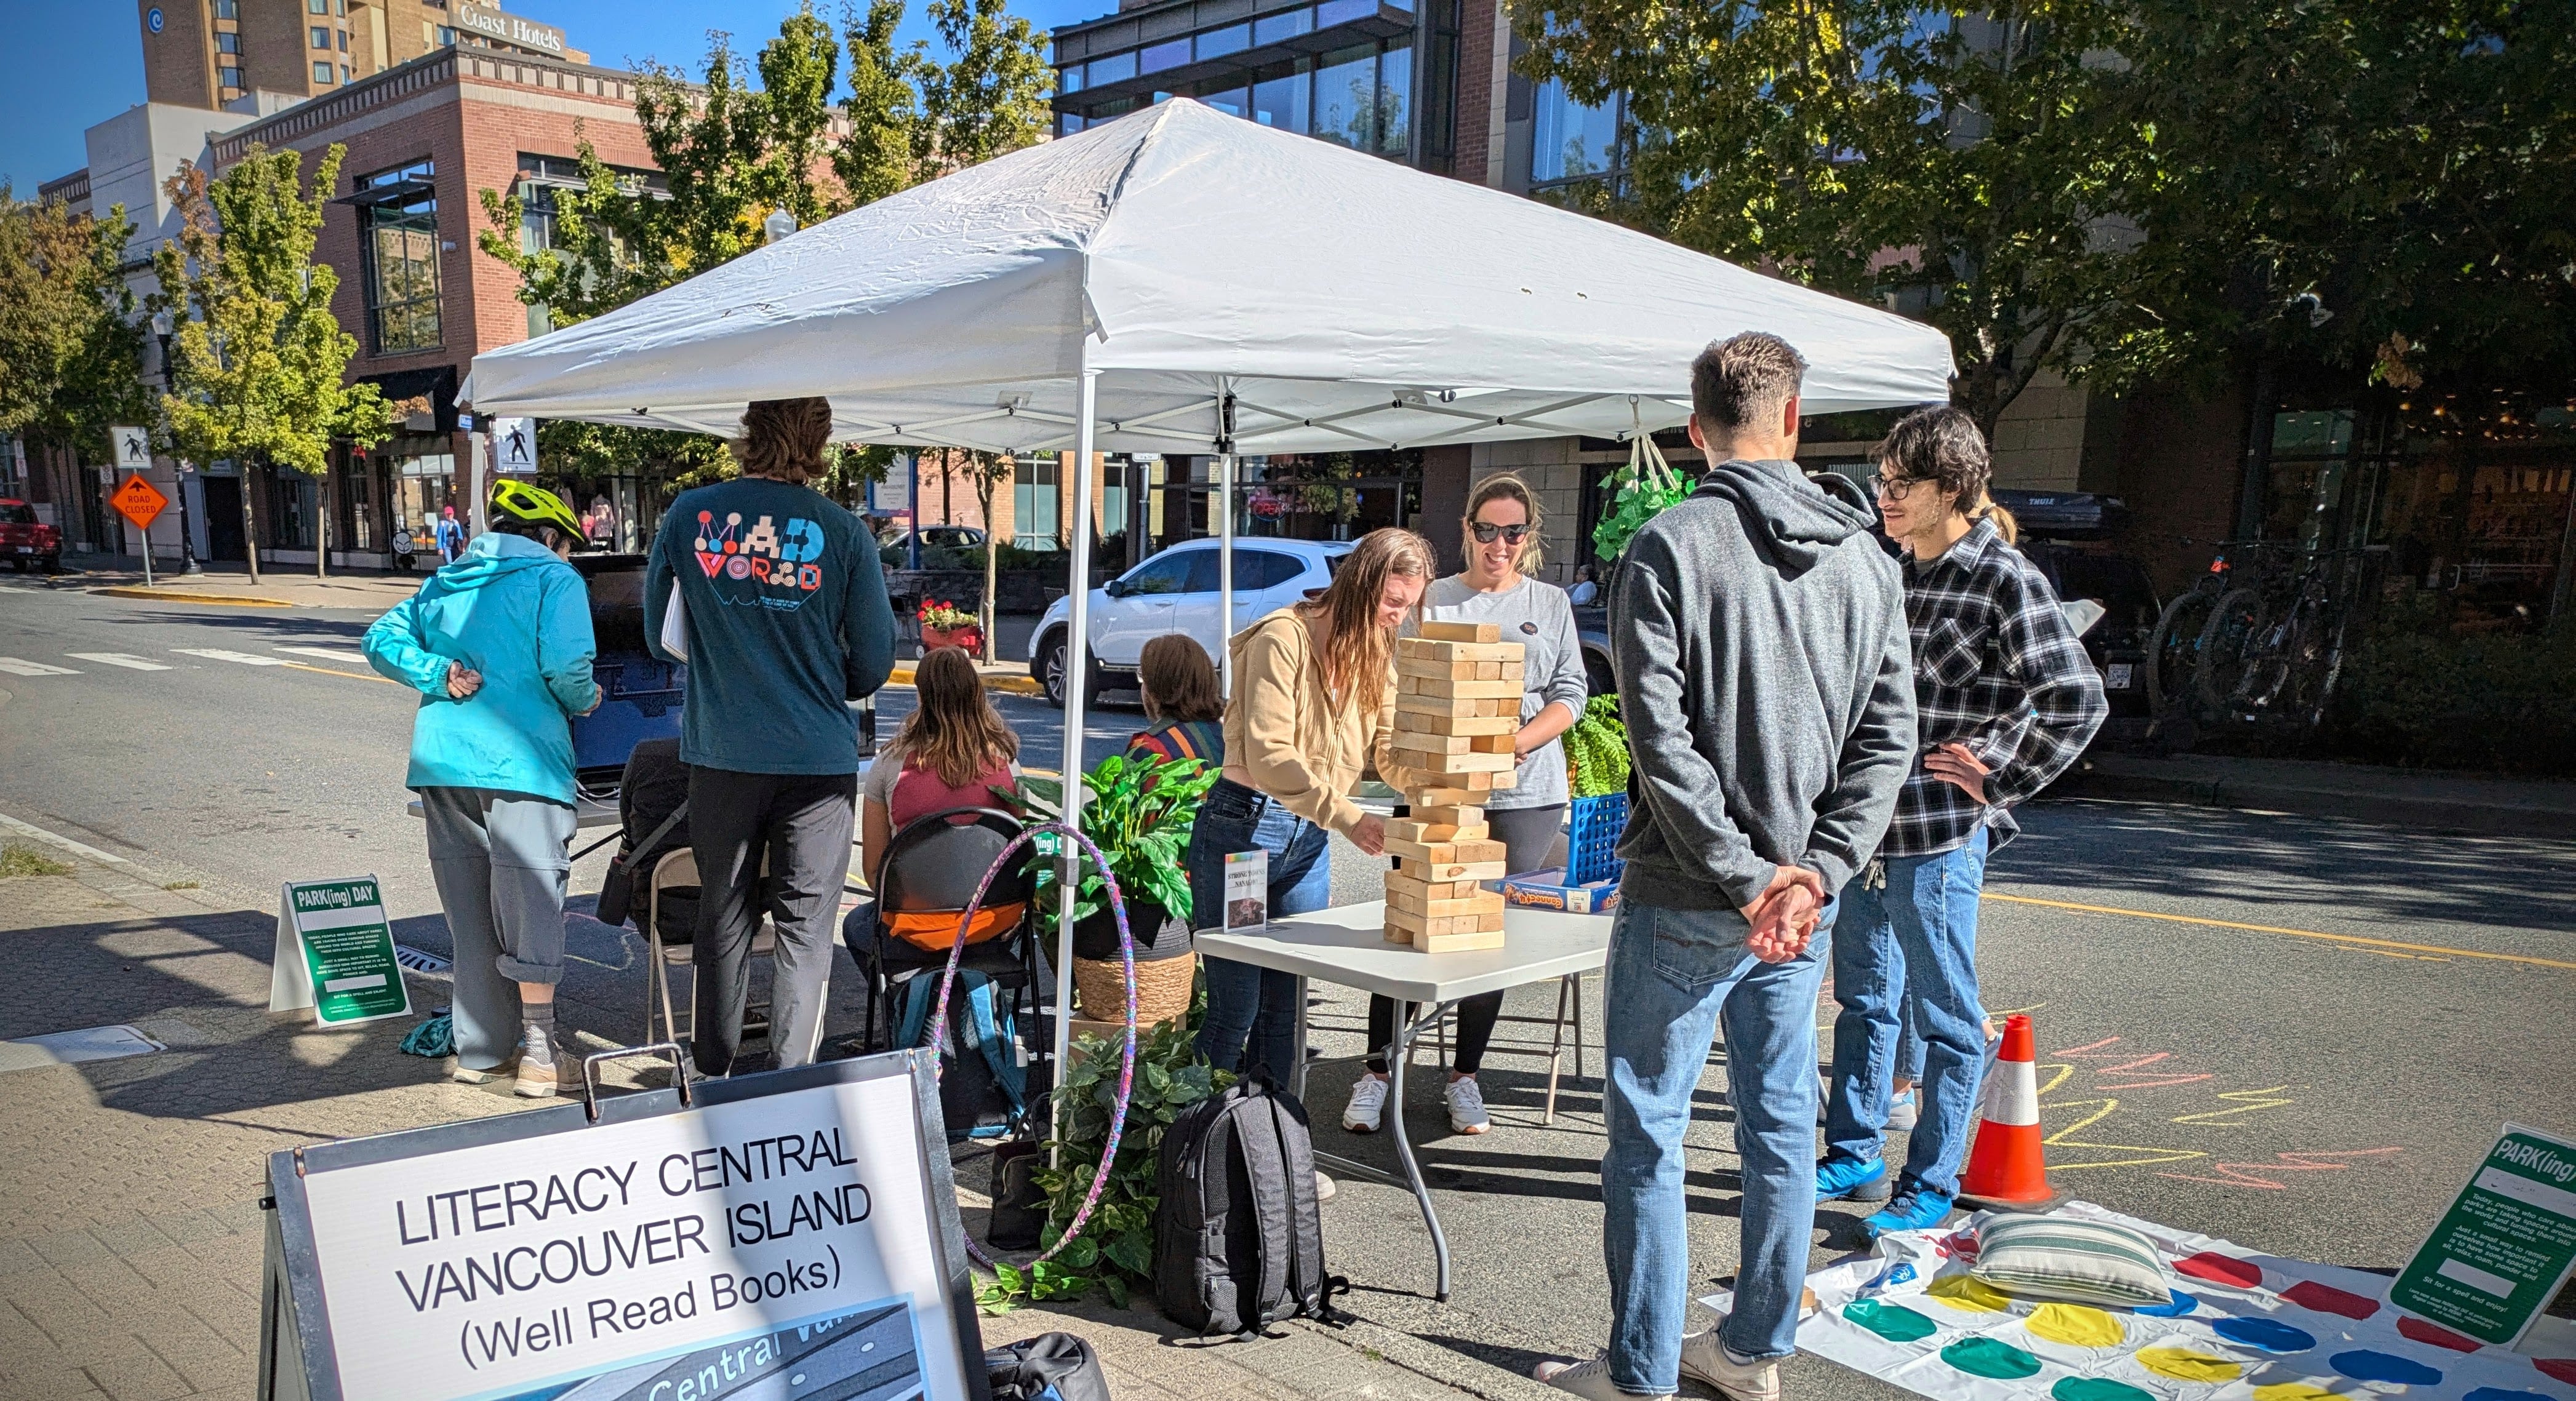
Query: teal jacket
[[511, 610]]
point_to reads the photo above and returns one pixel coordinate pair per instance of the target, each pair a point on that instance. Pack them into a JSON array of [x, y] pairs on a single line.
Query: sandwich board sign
[[791, 1236], [335, 953], [2506, 1246]]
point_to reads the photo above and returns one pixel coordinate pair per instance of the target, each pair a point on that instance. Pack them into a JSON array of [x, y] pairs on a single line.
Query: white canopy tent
[[1181, 281]]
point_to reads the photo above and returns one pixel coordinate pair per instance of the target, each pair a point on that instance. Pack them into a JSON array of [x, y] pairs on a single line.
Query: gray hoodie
[[1766, 678]]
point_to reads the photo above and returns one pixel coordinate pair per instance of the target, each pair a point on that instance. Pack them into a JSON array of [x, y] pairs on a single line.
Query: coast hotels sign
[[509, 29]]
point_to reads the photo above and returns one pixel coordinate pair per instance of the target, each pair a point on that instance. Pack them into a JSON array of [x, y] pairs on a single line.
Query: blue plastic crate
[[1591, 843]]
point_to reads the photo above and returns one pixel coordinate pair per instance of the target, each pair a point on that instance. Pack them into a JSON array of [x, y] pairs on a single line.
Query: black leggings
[[1526, 835]]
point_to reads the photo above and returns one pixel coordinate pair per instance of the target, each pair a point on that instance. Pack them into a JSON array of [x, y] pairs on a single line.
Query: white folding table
[[1347, 945]]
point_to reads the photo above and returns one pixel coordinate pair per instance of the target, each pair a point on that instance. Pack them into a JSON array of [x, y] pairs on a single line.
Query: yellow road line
[[329, 671], [2358, 939]]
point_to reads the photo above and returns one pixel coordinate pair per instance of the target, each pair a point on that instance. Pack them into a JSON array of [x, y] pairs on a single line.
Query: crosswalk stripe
[[341, 655], [20, 666], [218, 654], [118, 659]]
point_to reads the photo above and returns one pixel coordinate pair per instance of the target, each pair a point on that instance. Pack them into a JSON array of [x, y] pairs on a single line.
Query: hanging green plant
[[1640, 491], [1596, 749]]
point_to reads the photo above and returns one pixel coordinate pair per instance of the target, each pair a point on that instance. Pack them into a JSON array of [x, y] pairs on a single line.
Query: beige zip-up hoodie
[[1286, 736]]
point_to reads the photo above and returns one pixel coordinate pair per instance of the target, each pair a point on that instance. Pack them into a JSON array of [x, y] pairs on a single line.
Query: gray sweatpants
[[501, 862]]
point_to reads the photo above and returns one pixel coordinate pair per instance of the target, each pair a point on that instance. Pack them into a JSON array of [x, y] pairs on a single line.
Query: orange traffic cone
[[2006, 1167]]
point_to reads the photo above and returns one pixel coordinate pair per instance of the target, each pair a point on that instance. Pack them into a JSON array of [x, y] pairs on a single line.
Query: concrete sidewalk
[[122, 577], [2417, 798], [131, 1237]]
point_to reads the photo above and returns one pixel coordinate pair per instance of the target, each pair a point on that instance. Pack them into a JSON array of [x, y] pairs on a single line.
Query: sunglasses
[[1488, 534]]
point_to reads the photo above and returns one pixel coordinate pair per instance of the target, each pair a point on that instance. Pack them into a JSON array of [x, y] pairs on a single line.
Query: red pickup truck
[[24, 540]]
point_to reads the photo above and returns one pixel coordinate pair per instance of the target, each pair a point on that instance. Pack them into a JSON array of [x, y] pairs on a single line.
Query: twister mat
[[2243, 1326]]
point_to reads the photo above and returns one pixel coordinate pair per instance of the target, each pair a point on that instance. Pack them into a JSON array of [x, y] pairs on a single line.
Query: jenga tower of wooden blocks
[[1457, 706]]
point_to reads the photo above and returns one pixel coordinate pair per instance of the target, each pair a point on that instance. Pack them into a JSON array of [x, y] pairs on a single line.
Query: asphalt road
[[2294, 1033]]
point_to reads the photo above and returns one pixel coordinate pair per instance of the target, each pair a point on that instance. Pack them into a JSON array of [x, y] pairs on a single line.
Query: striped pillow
[[2085, 1262]]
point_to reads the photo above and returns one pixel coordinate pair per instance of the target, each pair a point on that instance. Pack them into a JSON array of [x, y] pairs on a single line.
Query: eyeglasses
[[1898, 488], [1487, 534]]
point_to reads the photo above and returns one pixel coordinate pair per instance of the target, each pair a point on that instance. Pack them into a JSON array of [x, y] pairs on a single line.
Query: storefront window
[[1034, 508], [1279, 95], [1346, 97]]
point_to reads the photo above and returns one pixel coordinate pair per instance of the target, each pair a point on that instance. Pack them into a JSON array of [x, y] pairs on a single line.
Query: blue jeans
[[1908, 951], [1675, 977], [1252, 1008]]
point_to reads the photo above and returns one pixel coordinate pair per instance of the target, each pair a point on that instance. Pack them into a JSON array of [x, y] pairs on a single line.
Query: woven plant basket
[[1163, 989]]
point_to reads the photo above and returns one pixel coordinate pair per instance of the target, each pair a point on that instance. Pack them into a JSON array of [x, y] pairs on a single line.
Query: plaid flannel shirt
[[1995, 668]]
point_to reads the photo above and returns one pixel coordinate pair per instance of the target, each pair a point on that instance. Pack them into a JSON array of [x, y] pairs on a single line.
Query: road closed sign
[[792, 1241], [139, 501]]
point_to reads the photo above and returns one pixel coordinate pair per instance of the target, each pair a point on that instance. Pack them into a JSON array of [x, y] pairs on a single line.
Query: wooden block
[[1489, 671], [1481, 690], [1442, 650], [1428, 832], [1412, 702], [1464, 941], [1487, 850], [1452, 765], [1414, 722], [1453, 814], [1461, 632], [1468, 871], [1499, 742], [1410, 903], [1425, 668], [1499, 707], [1508, 778], [1449, 797], [1425, 742], [1428, 853]]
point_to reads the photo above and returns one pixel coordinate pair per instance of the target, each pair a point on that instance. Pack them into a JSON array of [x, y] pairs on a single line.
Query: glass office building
[[1376, 75]]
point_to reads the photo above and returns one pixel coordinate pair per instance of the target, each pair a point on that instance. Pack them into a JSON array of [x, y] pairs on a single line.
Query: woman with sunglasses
[[2005, 700], [1501, 536]]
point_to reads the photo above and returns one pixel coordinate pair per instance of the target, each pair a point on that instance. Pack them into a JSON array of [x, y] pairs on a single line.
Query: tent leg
[[1077, 666], [1224, 505]]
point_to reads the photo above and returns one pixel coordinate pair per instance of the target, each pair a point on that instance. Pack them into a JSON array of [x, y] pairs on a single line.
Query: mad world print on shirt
[[771, 567]]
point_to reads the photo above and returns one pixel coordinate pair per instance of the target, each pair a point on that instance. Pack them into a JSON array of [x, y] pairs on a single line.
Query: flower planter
[[1165, 973], [970, 638]]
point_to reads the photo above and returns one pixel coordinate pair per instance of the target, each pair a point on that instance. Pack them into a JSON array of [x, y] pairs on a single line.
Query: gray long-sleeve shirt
[[1540, 618], [1766, 678]]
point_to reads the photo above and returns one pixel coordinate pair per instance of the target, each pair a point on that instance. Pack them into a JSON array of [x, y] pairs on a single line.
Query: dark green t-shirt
[[787, 621]]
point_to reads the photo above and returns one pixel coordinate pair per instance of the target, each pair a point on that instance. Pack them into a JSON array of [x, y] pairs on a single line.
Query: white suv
[[1176, 591]]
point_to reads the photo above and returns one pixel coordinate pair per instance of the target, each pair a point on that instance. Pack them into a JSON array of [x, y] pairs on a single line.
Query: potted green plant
[[1138, 810], [1116, 1247]]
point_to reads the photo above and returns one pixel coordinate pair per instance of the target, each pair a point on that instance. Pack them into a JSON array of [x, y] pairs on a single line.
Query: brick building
[[213, 53]]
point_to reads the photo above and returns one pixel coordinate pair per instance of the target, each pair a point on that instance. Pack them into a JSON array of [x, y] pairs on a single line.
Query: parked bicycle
[[2259, 638]]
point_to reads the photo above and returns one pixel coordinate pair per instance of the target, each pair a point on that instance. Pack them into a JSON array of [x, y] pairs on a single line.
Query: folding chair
[[670, 928]]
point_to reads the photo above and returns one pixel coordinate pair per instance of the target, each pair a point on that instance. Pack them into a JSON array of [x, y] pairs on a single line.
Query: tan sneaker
[[1589, 1379], [1705, 1360], [541, 1063], [507, 1069]]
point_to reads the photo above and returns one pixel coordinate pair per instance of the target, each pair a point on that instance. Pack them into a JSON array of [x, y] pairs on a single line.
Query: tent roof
[[1345, 301]]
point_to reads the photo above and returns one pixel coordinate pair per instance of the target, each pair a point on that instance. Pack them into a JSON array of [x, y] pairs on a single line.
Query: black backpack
[[653, 811], [1048, 1367], [1237, 1241]]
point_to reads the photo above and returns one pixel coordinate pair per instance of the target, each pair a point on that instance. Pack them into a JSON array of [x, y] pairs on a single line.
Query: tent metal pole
[[1077, 666], [1224, 506]]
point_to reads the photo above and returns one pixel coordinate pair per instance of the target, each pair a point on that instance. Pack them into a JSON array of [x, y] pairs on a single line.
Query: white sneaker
[[1367, 1106], [1901, 1112], [1705, 1360], [1590, 1379], [1324, 1188], [1467, 1106]]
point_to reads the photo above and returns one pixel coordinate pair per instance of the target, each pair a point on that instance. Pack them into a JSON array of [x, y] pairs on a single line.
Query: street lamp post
[[188, 565]]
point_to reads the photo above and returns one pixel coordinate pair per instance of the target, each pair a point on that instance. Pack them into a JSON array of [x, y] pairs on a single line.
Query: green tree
[[258, 361], [1956, 162], [990, 97], [71, 346], [875, 157], [2410, 166]]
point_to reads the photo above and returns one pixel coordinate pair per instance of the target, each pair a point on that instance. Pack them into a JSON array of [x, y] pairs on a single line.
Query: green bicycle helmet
[[518, 501]]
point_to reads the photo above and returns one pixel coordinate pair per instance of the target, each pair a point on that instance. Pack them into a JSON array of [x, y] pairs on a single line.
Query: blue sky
[[73, 65]]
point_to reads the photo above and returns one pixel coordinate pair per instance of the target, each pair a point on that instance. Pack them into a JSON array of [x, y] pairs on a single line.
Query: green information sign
[[335, 953], [2506, 1246]]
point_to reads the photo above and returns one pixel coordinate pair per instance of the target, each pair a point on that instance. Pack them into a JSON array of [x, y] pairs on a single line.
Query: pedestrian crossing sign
[[139, 501]]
